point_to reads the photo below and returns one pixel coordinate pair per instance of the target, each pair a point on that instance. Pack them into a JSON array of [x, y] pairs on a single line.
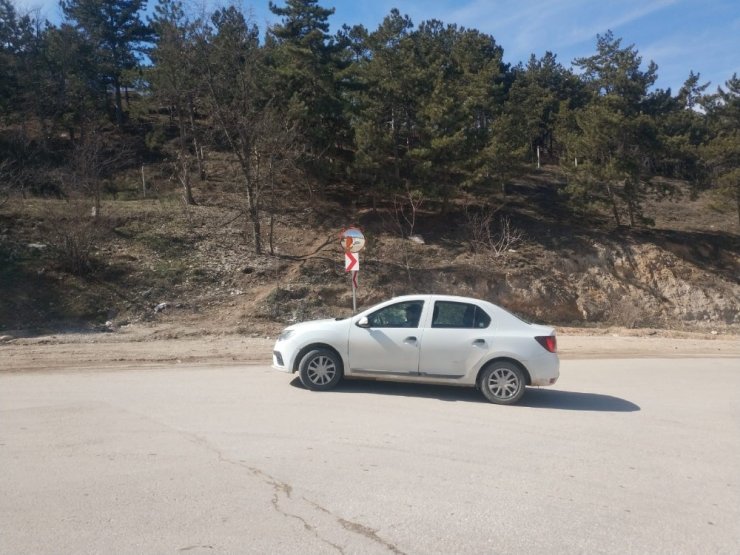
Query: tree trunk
[[196, 146], [271, 236], [613, 200], [199, 159], [254, 221], [119, 106], [252, 208], [445, 208], [184, 164], [184, 171], [97, 206], [631, 191], [272, 233], [631, 212]]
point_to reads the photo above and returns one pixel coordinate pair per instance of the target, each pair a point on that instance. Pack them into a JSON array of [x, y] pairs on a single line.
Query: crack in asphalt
[[278, 487], [285, 489], [358, 528], [369, 533]]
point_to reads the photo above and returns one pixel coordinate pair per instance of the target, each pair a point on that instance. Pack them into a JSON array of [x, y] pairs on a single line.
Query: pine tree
[[426, 105], [308, 83], [174, 81], [23, 74], [116, 32], [462, 71], [614, 139], [9, 48], [383, 104], [245, 116], [80, 95], [683, 129], [722, 152], [534, 100]]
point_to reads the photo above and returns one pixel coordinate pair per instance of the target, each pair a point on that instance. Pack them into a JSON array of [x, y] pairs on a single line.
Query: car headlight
[[285, 334]]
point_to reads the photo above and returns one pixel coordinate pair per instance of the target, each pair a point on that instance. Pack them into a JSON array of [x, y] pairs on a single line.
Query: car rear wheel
[[503, 383], [320, 369]]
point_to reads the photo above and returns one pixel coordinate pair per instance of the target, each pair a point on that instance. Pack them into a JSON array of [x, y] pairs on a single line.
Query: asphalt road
[[621, 456]]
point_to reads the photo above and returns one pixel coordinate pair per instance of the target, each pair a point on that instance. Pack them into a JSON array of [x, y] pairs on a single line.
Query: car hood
[[318, 324]]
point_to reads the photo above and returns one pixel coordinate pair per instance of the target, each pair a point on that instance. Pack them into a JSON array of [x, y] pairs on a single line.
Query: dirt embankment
[[148, 263], [634, 285]]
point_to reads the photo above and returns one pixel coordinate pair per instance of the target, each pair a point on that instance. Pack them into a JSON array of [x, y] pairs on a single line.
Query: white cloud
[[527, 26], [711, 54], [616, 20], [46, 9]]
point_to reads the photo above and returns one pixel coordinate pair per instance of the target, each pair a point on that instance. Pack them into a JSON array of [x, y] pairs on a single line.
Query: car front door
[[459, 334], [389, 342]]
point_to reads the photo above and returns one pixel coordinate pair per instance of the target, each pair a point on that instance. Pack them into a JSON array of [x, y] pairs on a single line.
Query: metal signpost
[[353, 241]]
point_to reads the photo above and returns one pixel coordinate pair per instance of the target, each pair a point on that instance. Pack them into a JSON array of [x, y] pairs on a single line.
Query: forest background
[[198, 165]]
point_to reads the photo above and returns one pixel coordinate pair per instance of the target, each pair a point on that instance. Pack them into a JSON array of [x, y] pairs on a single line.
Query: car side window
[[399, 315], [449, 314]]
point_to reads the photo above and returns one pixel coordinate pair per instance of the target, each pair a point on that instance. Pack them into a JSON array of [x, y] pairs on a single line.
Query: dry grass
[[200, 260]]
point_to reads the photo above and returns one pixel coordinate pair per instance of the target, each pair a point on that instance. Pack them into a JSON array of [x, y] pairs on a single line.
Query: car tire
[[502, 383], [320, 370]]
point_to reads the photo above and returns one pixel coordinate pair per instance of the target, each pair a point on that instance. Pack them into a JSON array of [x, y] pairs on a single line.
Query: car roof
[[434, 297]]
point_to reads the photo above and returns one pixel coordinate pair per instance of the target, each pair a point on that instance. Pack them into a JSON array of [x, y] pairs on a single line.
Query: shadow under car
[[533, 398]]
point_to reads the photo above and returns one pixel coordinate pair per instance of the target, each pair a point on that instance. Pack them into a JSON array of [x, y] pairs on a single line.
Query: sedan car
[[436, 339]]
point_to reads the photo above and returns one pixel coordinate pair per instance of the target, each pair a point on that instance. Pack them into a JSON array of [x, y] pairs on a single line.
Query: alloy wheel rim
[[503, 383], [321, 370]]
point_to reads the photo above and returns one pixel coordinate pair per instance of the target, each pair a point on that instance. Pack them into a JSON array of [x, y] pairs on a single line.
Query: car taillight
[[549, 342]]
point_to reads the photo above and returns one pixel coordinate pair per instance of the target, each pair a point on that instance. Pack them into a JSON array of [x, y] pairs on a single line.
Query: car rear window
[[449, 314]]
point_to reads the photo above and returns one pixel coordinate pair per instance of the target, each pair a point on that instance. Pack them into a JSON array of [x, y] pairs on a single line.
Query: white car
[[434, 339]]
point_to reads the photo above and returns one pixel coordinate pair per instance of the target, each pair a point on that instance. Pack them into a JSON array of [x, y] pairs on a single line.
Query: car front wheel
[[320, 369], [503, 383]]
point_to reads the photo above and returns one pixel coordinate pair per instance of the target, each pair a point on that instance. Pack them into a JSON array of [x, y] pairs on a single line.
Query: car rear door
[[459, 335]]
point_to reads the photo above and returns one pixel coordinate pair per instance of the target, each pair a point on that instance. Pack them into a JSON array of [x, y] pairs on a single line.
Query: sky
[[678, 35]]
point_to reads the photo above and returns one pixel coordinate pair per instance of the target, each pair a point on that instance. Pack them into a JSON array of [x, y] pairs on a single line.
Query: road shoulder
[[139, 349]]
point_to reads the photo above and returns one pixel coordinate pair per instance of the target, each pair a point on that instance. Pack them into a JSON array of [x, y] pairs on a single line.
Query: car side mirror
[[363, 323]]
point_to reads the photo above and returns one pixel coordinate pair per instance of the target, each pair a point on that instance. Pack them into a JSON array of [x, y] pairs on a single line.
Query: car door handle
[[479, 342], [410, 339]]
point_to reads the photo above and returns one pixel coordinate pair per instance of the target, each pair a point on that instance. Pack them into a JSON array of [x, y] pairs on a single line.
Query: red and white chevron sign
[[351, 262]]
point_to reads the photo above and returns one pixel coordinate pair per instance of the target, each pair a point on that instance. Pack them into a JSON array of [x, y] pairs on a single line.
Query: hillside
[[134, 194], [155, 260]]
